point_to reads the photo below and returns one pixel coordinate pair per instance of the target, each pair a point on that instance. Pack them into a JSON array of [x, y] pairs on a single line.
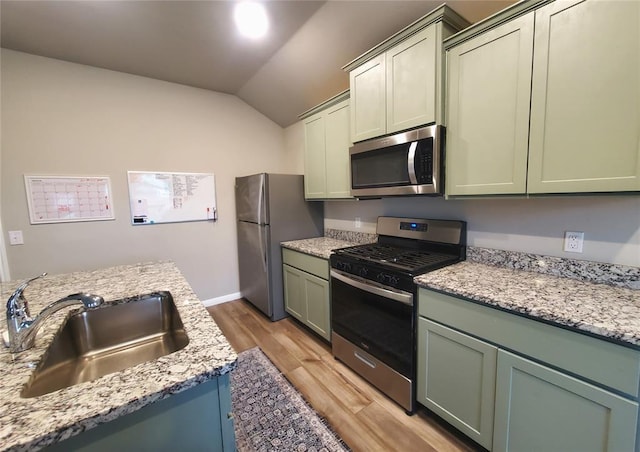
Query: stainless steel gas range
[[374, 299]]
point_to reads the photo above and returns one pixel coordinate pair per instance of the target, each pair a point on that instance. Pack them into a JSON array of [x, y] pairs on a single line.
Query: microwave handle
[[411, 163]]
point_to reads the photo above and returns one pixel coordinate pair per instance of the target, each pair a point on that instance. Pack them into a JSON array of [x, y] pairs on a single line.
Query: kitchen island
[[34, 423]]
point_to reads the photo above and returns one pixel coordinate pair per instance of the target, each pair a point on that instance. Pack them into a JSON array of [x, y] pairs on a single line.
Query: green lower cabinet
[[317, 296], [456, 379], [294, 300], [516, 400], [306, 297], [541, 409]]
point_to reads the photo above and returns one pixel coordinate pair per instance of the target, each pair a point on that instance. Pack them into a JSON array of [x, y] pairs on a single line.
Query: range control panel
[[420, 227]]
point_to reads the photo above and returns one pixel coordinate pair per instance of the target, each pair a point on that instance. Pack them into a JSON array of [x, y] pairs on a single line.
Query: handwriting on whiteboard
[[161, 197]]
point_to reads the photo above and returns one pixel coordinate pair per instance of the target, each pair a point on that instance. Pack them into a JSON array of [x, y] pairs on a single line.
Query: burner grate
[[402, 258]]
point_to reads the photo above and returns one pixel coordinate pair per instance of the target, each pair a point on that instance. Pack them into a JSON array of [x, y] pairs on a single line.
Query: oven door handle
[[401, 296]]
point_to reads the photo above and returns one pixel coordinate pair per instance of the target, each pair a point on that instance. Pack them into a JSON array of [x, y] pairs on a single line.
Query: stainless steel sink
[[98, 342]]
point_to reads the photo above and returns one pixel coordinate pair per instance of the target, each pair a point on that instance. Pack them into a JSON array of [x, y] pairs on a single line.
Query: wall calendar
[[60, 199]]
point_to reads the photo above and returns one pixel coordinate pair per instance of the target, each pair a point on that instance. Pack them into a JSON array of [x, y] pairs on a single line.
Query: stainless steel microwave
[[407, 163]]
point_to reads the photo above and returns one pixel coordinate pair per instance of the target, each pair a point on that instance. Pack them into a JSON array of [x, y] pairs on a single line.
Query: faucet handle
[[12, 303]]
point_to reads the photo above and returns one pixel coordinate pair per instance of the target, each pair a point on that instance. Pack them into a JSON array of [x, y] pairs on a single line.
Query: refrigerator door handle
[[261, 221], [261, 202], [263, 248]]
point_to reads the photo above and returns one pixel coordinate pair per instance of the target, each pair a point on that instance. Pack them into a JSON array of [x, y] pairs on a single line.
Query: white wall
[[536, 225], [5, 274], [61, 118], [294, 144]]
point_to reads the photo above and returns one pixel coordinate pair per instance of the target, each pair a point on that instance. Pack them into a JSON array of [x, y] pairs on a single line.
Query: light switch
[[15, 238]]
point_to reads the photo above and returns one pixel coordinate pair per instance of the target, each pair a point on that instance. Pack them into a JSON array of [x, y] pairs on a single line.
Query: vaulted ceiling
[[297, 66]]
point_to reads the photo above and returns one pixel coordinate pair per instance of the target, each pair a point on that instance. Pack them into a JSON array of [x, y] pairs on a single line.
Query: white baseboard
[[222, 299]]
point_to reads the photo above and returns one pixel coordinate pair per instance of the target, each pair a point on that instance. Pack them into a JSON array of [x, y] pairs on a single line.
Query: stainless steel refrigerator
[[270, 209]]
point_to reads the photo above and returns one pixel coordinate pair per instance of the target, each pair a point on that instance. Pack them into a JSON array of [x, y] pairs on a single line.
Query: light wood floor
[[363, 417]]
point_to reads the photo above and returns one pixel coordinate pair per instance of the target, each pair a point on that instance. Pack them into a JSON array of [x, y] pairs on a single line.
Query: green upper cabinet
[[412, 68], [315, 179], [397, 85], [550, 111], [337, 145], [489, 86], [585, 103], [326, 149], [368, 100]]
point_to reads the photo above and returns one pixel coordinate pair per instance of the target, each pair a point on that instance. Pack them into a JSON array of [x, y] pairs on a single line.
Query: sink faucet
[[22, 328]]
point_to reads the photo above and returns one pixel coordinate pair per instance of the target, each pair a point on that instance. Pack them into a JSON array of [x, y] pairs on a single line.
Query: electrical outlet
[[573, 241], [358, 223]]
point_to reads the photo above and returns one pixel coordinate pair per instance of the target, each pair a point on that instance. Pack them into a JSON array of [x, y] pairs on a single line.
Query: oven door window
[[379, 325]]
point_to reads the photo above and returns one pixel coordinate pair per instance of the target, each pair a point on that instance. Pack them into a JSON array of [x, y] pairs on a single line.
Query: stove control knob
[[380, 277], [394, 280], [363, 271]]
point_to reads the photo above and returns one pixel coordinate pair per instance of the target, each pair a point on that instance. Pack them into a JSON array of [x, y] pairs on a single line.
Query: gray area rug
[[270, 414]]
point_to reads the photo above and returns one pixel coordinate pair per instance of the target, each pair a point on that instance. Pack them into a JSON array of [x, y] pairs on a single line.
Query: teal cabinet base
[[195, 419]]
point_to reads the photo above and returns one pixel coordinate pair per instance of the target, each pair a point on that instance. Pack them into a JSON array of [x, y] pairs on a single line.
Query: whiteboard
[[161, 197], [63, 199]]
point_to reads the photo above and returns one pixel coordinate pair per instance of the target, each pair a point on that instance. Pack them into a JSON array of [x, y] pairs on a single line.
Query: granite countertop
[[30, 424], [609, 312], [320, 246]]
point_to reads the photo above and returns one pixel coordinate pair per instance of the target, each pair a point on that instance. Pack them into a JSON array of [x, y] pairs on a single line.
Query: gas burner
[[409, 260], [406, 247]]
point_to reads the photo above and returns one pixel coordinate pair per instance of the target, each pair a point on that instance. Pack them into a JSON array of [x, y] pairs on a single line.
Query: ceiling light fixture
[[251, 19]]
